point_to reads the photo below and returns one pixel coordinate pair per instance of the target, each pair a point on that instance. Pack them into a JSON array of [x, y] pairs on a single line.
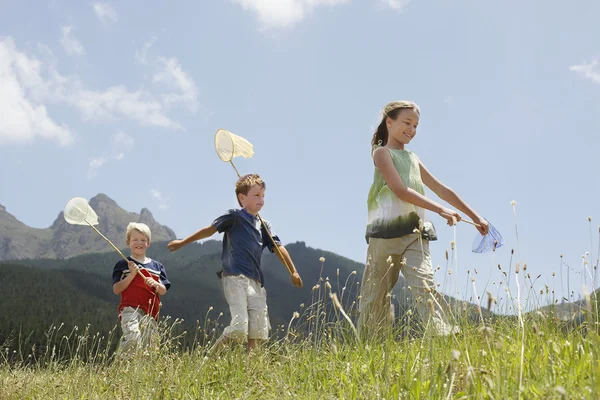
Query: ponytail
[[380, 137]]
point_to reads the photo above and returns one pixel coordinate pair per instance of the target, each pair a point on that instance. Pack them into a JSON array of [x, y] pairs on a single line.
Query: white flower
[[322, 259]]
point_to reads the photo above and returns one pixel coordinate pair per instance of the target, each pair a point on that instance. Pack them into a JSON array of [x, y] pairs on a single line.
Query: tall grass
[[548, 353]]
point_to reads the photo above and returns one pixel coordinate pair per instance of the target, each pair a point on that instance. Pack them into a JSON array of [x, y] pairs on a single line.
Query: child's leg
[[418, 273], [149, 331], [258, 315], [130, 325], [235, 288], [380, 276]]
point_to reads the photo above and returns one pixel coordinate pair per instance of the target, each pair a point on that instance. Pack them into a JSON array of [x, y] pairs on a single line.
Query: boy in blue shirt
[[241, 274]]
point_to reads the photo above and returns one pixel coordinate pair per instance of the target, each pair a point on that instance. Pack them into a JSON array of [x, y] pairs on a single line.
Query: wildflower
[[322, 259], [455, 355]]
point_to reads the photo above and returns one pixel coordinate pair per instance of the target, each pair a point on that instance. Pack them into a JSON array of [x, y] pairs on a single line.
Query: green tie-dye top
[[389, 217]]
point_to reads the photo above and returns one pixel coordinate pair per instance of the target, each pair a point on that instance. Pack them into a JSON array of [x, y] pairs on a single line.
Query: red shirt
[[138, 294]]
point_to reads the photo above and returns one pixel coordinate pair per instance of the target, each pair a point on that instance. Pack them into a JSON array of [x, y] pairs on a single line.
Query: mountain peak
[[62, 240], [101, 198]]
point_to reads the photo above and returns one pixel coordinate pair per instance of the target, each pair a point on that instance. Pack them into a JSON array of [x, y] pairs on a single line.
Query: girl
[[397, 233]]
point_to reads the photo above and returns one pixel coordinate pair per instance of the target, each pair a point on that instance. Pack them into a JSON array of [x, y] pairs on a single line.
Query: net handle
[[462, 220]]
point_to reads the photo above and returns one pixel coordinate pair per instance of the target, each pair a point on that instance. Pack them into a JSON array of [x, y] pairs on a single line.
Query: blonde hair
[[392, 110], [245, 183], [141, 228]]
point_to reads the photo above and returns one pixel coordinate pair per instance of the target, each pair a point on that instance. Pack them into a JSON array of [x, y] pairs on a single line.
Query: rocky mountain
[[61, 240]]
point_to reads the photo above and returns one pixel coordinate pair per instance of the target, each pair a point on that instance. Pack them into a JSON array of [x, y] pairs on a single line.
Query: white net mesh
[[78, 212], [229, 145]]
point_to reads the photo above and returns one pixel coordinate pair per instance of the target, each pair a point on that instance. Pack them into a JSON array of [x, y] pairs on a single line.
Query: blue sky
[[124, 98]]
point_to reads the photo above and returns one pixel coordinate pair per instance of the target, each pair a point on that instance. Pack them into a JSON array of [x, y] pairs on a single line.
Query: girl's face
[[403, 128]]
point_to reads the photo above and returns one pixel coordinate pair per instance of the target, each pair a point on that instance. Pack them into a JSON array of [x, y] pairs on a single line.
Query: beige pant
[[248, 307], [139, 330], [385, 259]]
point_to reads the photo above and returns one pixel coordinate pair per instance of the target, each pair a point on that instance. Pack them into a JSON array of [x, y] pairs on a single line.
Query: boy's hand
[[175, 245], [484, 226], [296, 280], [151, 282], [132, 267], [450, 215]]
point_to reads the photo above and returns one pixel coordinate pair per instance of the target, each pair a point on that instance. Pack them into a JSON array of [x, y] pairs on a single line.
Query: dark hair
[[392, 110]]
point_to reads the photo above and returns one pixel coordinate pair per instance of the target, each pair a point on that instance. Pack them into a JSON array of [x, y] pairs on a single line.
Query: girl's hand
[[451, 216], [483, 226]]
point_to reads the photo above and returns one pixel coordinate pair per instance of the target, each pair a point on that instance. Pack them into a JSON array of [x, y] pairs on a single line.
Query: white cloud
[[29, 86], [29, 83], [69, 43], [23, 118], [175, 77], [163, 202], [114, 102], [141, 55], [121, 143], [284, 13], [589, 70], [95, 165], [105, 13], [398, 5]]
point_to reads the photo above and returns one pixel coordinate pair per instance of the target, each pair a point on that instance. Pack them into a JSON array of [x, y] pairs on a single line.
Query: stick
[[463, 220]]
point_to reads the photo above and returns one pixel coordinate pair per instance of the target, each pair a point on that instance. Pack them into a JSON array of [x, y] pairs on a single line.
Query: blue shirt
[[243, 243]]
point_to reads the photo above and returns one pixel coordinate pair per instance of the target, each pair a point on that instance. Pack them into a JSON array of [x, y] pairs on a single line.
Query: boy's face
[[254, 200], [138, 243]]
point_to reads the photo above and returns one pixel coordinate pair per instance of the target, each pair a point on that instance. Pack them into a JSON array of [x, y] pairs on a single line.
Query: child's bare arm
[[285, 258], [383, 162], [450, 196], [120, 286], [201, 234]]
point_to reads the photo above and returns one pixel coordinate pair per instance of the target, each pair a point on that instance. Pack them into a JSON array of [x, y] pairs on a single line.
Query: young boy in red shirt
[[140, 301]]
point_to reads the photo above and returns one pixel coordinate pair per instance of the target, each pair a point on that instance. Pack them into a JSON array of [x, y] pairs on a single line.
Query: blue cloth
[[243, 243]]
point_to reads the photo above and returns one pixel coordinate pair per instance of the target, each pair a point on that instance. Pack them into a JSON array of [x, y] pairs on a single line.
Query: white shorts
[[139, 330], [247, 301]]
